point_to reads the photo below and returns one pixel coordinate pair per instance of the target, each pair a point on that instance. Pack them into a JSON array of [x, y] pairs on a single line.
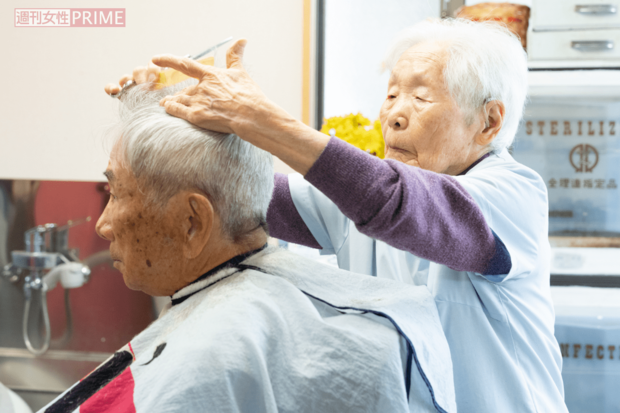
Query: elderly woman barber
[[448, 208]]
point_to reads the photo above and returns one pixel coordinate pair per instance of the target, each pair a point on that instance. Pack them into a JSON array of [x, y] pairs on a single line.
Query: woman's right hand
[[141, 74]]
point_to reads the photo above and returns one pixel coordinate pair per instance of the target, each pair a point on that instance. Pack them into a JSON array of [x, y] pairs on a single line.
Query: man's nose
[[103, 227]]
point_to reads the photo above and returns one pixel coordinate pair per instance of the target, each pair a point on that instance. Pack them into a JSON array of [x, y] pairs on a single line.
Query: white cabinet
[[575, 45], [575, 14], [574, 34]]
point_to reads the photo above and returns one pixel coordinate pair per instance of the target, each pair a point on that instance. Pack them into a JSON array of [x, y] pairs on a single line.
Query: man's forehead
[[113, 170], [120, 176], [109, 174]]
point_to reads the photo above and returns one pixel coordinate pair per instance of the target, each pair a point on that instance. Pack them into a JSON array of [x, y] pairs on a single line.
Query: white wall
[[53, 110], [357, 35]]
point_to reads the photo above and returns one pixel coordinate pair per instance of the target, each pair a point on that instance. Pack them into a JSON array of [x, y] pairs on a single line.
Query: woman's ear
[[493, 122], [199, 225]]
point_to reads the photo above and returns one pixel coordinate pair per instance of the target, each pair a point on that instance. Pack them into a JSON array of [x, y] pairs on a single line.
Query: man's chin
[[129, 284], [121, 268]]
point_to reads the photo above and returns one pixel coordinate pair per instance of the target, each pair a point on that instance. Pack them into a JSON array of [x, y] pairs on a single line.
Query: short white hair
[[167, 154], [486, 62]]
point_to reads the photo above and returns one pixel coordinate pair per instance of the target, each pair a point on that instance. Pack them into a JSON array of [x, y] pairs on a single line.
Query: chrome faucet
[[46, 260]]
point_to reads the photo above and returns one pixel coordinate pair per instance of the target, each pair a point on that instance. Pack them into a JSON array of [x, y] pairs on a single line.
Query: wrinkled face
[[422, 124], [146, 244]]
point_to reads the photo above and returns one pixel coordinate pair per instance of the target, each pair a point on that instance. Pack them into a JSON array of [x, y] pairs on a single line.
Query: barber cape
[[271, 331]]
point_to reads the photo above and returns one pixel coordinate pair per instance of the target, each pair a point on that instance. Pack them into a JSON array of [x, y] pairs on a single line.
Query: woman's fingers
[[189, 91], [112, 89], [183, 100], [184, 65], [139, 74], [124, 80], [152, 72], [234, 55], [176, 109]]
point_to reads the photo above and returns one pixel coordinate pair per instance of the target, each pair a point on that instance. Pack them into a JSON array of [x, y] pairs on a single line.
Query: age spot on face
[[137, 240], [148, 263]]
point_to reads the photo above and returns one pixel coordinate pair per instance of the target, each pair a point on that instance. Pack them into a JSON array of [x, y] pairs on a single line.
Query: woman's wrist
[[274, 130], [258, 119]]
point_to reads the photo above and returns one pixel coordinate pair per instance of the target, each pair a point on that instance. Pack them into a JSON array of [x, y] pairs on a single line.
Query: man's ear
[[199, 224], [494, 112]]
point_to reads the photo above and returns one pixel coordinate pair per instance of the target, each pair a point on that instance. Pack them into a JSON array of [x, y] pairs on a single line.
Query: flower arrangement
[[357, 130]]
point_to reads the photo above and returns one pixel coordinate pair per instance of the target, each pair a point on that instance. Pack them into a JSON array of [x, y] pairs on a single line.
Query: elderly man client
[[449, 208], [249, 329]]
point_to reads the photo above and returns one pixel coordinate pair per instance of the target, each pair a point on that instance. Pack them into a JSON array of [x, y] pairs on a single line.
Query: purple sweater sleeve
[[425, 213], [283, 220]]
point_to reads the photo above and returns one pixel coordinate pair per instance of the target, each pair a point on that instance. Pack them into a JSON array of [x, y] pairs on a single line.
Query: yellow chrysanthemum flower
[[358, 131]]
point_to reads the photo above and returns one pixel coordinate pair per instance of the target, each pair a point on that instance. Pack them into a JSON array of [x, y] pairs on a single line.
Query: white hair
[[486, 62], [167, 154]]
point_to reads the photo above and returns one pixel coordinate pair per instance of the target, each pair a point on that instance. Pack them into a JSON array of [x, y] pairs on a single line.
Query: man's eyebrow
[[109, 174]]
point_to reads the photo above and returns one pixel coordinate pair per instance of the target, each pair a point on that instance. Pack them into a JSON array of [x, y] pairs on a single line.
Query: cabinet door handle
[[592, 45], [596, 9]]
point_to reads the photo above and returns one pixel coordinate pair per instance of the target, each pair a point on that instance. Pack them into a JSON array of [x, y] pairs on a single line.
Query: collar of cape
[[212, 276]]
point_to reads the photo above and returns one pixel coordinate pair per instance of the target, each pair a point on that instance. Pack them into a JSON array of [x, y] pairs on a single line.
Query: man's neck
[[218, 254]]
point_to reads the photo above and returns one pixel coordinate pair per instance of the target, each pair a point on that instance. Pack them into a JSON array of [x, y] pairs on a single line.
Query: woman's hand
[[225, 100], [141, 74], [229, 101]]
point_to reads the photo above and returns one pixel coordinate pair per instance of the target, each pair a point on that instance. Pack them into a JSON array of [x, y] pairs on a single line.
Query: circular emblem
[[583, 157]]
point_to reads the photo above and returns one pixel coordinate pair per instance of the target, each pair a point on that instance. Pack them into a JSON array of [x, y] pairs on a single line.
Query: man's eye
[[391, 96], [112, 196]]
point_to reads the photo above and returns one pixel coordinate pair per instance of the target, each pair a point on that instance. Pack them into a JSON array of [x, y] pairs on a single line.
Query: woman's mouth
[[393, 149]]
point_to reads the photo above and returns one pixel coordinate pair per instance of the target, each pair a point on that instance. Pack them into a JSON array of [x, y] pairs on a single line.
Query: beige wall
[[53, 112]]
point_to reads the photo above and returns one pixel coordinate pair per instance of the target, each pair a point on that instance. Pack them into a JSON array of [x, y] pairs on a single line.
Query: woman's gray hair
[[486, 62], [167, 154]]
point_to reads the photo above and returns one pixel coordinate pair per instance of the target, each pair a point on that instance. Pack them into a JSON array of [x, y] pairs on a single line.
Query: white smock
[[11, 402], [282, 333], [499, 327]]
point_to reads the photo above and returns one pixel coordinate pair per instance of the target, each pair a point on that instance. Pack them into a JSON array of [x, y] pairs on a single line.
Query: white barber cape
[[275, 332], [500, 327]]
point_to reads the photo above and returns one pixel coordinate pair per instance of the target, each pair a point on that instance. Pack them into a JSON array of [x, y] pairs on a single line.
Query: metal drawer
[[575, 15], [574, 45]]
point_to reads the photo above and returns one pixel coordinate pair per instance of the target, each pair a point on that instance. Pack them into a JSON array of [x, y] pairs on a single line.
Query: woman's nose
[[103, 227], [397, 115], [398, 122]]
